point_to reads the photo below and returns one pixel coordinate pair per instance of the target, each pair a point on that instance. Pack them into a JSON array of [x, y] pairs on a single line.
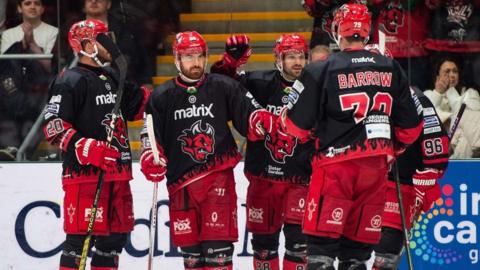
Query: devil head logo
[[280, 146], [120, 132], [198, 143], [392, 17]]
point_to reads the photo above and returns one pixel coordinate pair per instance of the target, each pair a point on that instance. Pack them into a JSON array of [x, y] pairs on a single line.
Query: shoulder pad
[[69, 77]]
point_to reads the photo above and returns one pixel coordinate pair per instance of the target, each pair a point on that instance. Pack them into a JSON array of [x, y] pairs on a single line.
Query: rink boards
[[31, 222]]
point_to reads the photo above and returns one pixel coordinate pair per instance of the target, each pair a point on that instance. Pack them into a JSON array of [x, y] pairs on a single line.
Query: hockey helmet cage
[[290, 43], [189, 42], [375, 48], [351, 20], [86, 30]]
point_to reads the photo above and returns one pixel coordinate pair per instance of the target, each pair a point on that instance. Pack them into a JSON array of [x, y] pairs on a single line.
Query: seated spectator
[[319, 53], [447, 97], [24, 83]]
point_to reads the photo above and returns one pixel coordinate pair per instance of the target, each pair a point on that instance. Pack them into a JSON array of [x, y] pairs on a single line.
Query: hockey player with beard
[[278, 168], [358, 104], [77, 120], [419, 167], [190, 115]]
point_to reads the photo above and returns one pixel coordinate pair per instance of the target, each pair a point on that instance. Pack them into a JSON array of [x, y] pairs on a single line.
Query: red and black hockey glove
[[260, 122], [314, 7], [426, 187], [96, 153], [152, 171], [237, 51]]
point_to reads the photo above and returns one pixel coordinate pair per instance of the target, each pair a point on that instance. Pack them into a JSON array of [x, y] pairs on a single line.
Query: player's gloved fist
[[153, 172], [425, 199], [97, 153], [237, 50], [260, 122]]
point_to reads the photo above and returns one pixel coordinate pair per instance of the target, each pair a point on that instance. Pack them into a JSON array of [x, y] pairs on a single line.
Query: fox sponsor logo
[[363, 60], [98, 216], [182, 226], [197, 142], [255, 214], [194, 111], [105, 99]]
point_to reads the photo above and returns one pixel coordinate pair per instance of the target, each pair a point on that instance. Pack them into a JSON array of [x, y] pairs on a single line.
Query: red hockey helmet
[[189, 42], [375, 48], [86, 30], [351, 20], [290, 43]]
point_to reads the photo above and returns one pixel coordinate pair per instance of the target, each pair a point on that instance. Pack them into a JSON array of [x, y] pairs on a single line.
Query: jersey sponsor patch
[[431, 121], [418, 104], [52, 108], [298, 86], [432, 130], [428, 111], [375, 131], [55, 99]]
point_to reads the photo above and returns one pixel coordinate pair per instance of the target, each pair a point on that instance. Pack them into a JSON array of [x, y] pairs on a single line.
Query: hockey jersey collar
[[97, 70], [190, 87]]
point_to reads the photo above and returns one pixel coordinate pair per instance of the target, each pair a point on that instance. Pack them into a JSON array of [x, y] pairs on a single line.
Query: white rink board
[[31, 195]]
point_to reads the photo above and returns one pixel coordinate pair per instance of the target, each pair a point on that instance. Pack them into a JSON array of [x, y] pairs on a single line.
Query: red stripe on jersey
[[294, 130], [146, 95], [436, 161], [408, 135]]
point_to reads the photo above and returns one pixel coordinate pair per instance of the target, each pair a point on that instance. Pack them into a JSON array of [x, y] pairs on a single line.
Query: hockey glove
[[152, 171], [260, 122], [237, 51], [424, 200], [96, 153], [425, 183]]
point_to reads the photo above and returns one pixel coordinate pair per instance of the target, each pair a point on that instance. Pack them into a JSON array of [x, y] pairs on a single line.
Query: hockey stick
[[121, 63], [406, 240], [455, 123], [153, 218]]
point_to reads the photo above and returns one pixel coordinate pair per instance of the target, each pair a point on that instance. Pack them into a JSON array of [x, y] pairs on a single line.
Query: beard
[[193, 73]]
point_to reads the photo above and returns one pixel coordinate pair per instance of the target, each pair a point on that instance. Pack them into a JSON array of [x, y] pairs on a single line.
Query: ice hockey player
[[191, 114], [358, 104], [419, 168], [77, 120], [278, 168]]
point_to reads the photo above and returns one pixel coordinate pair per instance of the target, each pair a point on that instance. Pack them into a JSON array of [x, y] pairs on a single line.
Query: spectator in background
[[405, 24], [128, 37], [319, 53], [455, 29], [23, 83]]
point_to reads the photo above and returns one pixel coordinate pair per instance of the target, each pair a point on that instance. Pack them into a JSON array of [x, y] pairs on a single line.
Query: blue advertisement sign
[[447, 236]]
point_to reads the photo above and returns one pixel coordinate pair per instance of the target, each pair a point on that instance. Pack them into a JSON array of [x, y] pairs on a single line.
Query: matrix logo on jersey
[[392, 17], [194, 111], [120, 132], [447, 235], [105, 99], [197, 142], [280, 146]]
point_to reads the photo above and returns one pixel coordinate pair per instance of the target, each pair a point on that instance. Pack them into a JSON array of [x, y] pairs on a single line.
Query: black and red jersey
[[191, 125], [80, 104], [357, 102], [430, 150], [279, 157]]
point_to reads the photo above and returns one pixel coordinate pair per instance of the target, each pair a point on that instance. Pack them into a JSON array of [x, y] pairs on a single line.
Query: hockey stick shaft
[[402, 216], [456, 121], [153, 217], [122, 68]]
